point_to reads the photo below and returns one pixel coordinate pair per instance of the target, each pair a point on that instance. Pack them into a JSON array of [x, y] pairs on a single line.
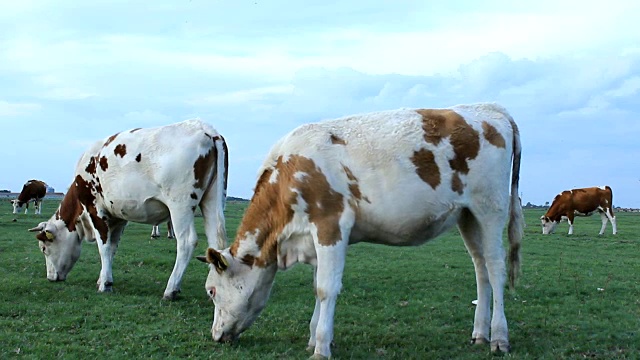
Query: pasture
[[577, 297]]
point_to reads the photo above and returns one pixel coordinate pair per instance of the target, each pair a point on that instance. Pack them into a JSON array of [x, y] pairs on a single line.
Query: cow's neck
[[80, 198], [555, 213], [263, 223]]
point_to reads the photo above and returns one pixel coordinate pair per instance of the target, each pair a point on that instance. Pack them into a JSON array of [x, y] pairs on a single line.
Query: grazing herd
[[396, 178]]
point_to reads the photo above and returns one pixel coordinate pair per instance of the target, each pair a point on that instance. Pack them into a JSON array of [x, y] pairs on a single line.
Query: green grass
[[578, 297]]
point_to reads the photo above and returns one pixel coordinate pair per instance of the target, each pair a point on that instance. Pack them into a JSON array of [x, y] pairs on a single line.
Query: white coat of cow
[[394, 177], [145, 176]]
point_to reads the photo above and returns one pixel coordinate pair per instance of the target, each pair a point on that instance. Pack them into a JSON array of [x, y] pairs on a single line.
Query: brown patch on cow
[[138, 157], [336, 140], [354, 188], [104, 164], [121, 149], [110, 140], [226, 161], [194, 196], [270, 209], [81, 193], [456, 184], [248, 260], [426, 167], [324, 205], [134, 130], [349, 173], [492, 135], [98, 186], [205, 164], [91, 167], [439, 124]]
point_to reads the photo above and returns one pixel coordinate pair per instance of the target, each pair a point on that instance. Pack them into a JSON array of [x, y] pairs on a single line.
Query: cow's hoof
[[479, 341], [317, 357], [170, 296], [107, 288], [500, 346]]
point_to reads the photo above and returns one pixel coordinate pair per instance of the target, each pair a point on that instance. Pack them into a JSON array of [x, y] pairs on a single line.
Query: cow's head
[[61, 247], [548, 225], [239, 291], [17, 205]]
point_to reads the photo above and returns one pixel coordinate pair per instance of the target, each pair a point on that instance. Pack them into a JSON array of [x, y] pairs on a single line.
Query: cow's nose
[[226, 338], [211, 291]]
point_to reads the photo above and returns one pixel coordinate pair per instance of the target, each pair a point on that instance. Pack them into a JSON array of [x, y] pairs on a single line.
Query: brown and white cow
[[155, 231], [395, 177], [580, 202], [32, 190], [145, 176]]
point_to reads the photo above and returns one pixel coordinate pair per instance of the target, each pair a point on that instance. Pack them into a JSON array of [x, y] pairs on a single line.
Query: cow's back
[[588, 200], [407, 184], [152, 165]]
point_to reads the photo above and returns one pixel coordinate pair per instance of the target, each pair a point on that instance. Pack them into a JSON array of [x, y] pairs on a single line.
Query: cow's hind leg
[[609, 214], [186, 240], [313, 324], [604, 219], [471, 233], [483, 239]]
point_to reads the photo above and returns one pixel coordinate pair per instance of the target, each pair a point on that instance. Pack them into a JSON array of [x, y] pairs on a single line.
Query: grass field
[[578, 297]]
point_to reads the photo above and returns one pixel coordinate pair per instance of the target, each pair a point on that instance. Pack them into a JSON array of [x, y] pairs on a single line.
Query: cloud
[[568, 73], [8, 109]]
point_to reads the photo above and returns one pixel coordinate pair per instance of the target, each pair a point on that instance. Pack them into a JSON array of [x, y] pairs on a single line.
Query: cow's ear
[[40, 227], [218, 260], [45, 236]]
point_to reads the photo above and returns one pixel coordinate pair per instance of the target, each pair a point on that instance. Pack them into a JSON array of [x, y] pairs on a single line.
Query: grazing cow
[[580, 202], [395, 177], [155, 232], [145, 176], [32, 190]]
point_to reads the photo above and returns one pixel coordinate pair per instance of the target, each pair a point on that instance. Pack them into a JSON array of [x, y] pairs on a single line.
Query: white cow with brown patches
[[145, 176], [394, 177]]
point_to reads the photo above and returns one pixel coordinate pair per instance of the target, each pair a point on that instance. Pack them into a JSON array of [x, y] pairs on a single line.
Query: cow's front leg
[[107, 252], [186, 240], [105, 281], [330, 268]]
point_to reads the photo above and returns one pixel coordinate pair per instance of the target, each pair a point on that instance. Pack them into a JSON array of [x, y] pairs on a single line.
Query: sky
[[73, 72]]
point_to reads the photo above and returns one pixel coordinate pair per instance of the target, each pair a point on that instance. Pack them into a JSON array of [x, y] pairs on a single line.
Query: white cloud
[[148, 118], [8, 109], [244, 96], [567, 70], [629, 87]]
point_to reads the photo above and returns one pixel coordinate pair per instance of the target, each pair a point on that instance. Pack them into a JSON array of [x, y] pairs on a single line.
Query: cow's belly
[[403, 231], [148, 211]]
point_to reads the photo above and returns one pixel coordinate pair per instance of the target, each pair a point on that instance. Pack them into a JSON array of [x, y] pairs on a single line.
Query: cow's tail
[[516, 219], [221, 177]]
